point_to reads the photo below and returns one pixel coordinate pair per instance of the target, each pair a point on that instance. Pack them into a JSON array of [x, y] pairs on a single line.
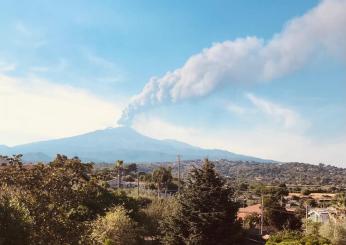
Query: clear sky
[[264, 78]]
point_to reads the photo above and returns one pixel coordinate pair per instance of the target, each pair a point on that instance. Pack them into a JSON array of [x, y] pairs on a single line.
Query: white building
[[124, 184], [319, 215]]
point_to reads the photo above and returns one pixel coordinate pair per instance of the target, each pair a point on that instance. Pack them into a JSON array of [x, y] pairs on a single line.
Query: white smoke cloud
[[250, 59]]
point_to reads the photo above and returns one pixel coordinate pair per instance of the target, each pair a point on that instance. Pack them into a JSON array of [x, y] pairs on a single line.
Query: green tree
[[119, 168], [154, 213], [115, 228], [275, 213], [340, 199], [244, 186], [60, 195], [162, 177], [278, 217], [334, 231], [15, 220], [131, 168], [306, 192], [311, 203], [205, 211]]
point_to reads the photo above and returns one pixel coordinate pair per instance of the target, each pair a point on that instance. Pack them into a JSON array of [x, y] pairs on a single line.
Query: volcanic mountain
[[123, 143]]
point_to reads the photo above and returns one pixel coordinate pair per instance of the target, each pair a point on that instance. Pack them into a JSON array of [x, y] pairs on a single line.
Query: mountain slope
[[4, 150], [118, 143]]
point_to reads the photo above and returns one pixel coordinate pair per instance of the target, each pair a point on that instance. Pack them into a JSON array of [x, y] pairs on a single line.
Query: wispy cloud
[[249, 59], [100, 61], [23, 29], [277, 143], [60, 66], [110, 72], [237, 109], [7, 67], [29, 36], [276, 112]]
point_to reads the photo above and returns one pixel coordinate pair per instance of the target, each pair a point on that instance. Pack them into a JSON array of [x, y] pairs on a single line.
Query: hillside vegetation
[[268, 173]]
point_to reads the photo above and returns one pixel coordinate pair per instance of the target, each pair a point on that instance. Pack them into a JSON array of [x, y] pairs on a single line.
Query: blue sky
[[139, 39], [264, 78]]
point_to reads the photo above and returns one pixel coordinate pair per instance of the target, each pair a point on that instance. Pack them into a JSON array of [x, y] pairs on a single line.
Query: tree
[[154, 213], [119, 168], [205, 211], [306, 192], [278, 217], [15, 220], [58, 196], [115, 228], [275, 213], [54, 196], [334, 231], [341, 200], [162, 177], [244, 186], [311, 203], [130, 168]]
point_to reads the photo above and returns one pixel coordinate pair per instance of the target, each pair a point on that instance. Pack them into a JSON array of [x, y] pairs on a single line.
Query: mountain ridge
[[125, 143]]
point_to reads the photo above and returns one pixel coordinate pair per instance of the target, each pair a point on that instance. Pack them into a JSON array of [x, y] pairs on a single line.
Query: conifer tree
[[205, 211]]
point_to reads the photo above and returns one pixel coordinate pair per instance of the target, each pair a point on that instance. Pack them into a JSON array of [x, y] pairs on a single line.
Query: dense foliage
[[205, 212], [296, 238], [69, 202], [53, 198], [116, 227], [269, 173], [14, 219], [275, 213], [335, 232]]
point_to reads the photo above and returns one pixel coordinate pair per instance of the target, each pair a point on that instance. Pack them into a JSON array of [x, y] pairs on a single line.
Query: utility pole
[[178, 158], [262, 213], [137, 183], [119, 181], [119, 166], [306, 218]]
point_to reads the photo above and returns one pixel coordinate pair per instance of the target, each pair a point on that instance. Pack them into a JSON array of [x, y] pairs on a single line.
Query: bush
[[154, 213], [15, 222], [296, 238], [335, 231], [306, 192], [284, 237], [116, 227], [251, 220]]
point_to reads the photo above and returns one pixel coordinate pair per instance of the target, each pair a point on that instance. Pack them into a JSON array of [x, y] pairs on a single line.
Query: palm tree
[[162, 177], [119, 167]]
